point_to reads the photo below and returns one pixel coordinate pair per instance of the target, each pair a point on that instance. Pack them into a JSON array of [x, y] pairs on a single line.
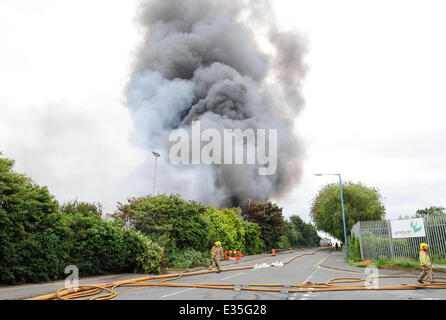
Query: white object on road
[[277, 264], [263, 265]]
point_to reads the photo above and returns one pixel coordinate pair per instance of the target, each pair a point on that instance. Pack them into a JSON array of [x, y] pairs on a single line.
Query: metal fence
[[376, 242]]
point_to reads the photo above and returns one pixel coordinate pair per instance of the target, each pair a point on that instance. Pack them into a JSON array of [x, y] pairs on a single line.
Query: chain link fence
[[376, 242]]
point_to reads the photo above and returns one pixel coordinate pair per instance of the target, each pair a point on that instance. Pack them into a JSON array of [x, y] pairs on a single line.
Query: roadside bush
[[168, 220], [283, 242], [143, 255], [29, 220], [102, 247], [253, 243], [38, 241], [227, 228], [187, 259], [354, 249]]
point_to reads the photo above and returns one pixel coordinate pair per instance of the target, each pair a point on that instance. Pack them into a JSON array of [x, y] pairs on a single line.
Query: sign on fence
[[408, 228], [400, 239]]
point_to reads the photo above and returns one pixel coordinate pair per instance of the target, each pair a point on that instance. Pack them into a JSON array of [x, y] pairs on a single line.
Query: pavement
[[320, 267]]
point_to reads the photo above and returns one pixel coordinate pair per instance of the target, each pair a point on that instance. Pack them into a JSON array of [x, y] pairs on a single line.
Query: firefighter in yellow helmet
[[216, 255], [426, 266]]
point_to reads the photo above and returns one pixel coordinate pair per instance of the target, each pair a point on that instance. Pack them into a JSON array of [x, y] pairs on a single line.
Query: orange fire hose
[[335, 284]]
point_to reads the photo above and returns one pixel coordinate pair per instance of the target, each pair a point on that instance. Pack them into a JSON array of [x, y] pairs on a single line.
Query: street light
[[342, 205], [264, 234], [157, 155]]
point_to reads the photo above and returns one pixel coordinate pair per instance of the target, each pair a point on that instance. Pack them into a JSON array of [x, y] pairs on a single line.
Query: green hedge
[[38, 241], [188, 258], [99, 247]]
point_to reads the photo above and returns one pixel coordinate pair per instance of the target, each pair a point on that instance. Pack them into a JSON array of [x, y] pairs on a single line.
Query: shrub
[[253, 243], [168, 220], [102, 247], [37, 241], [29, 218], [143, 255], [283, 242], [227, 228], [354, 249], [188, 258]]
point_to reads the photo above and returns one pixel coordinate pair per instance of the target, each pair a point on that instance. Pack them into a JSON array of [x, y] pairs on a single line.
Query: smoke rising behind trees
[[227, 65]]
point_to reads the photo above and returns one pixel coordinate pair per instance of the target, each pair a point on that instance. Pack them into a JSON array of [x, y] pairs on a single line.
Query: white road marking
[[235, 275], [306, 295], [172, 294], [308, 279]]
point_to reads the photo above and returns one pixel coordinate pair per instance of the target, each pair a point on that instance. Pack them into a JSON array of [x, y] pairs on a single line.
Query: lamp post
[[264, 234], [157, 155], [342, 206]]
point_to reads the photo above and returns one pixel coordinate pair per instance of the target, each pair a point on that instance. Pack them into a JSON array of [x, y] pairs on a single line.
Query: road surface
[[309, 268], [322, 266]]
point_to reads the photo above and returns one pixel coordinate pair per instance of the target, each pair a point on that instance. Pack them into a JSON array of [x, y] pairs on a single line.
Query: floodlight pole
[[157, 155]]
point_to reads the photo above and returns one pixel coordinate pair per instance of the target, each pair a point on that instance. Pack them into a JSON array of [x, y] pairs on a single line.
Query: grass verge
[[396, 265]]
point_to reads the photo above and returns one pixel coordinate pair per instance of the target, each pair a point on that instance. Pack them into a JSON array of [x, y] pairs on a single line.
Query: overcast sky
[[375, 98]]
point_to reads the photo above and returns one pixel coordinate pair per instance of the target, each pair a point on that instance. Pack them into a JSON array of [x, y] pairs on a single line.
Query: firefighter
[[426, 266], [216, 255]]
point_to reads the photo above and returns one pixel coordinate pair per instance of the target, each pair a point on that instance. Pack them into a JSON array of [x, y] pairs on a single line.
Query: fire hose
[[335, 284]]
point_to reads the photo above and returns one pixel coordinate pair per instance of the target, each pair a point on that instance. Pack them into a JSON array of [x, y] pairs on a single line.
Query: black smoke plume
[[226, 64]]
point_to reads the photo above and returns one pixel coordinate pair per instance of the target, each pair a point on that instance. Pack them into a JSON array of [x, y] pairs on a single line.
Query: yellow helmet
[[423, 246], [218, 243]]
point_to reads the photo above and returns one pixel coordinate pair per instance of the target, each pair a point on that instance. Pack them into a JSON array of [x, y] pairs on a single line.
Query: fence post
[[360, 239], [428, 236], [389, 229]]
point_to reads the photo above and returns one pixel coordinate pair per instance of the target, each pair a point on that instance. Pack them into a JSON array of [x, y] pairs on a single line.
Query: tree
[[227, 228], [29, 218], [360, 204], [98, 247], [253, 243], [38, 241], [168, 220], [306, 233], [430, 212], [84, 208], [270, 220]]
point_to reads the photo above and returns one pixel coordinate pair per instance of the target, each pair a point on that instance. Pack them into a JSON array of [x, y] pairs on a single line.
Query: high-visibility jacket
[[217, 252], [424, 258]]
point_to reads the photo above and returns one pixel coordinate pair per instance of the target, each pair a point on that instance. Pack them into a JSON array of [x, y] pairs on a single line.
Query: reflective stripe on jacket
[[424, 258]]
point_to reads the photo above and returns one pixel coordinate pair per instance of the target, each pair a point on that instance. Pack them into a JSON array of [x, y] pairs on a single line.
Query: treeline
[[39, 237], [186, 230]]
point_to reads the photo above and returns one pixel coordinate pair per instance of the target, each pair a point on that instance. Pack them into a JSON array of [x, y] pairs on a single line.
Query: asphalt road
[[308, 268], [320, 267]]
